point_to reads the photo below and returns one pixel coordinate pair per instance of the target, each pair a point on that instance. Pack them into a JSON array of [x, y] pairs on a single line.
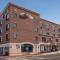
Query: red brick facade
[[24, 31]]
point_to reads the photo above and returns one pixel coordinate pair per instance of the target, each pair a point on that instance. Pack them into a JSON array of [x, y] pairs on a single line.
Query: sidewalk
[[41, 54]]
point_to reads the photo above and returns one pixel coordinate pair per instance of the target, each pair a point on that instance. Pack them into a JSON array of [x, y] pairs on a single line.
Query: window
[[14, 15], [30, 16], [0, 22], [15, 34], [47, 33], [15, 9], [0, 39], [50, 40], [6, 51], [7, 38], [41, 27], [56, 40], [27, 48], [14, 25], [58, 30], [36, 38], [23, 16], [36, 30], [1, 51], [43, 39], [45, 26], [59, 35], [7, 26], [7, 17], [0, 17], [17, 46], [0, 30], [53, 34]]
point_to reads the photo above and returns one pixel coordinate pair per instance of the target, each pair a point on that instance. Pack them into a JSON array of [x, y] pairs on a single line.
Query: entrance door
[[41, 48], [6, 51], [54, 48], [1, 51], [26, 48]]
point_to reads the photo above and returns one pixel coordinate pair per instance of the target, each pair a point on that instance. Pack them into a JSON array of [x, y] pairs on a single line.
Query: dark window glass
[[26, 48], [56, 40], [1, 50], [14, 25], [43, 39], [53, 34], [23, 16], [0, 39], [41, 27], [47, 33], [7, 27], [0, 30], [0, 22], [14, 15], [7, 51], [59, 35], [58, 30], [49, 40], [7, 38], [0, 17], [7, 17]]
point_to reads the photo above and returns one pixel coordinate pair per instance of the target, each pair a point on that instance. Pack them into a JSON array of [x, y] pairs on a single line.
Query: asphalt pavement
[[45, 57], [36, 57]]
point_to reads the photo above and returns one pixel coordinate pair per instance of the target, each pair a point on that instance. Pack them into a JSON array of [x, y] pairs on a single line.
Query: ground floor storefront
[[48, 48], [12, 49]]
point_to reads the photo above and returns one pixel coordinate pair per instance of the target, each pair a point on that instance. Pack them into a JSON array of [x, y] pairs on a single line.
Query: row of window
[[7, 38], [44, 40], [8, 26], [21, 16], [56, 30], [15, 35]]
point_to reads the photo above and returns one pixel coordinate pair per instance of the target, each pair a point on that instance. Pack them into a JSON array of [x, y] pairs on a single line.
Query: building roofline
[[50, 21], [20, 7]]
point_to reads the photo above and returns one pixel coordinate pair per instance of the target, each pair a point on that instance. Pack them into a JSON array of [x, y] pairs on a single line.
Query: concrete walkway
[[25, 56], [41, 54]]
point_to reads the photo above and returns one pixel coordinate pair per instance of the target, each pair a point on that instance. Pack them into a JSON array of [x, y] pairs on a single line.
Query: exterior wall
[[25, 28], [15, 48], [27, 31]]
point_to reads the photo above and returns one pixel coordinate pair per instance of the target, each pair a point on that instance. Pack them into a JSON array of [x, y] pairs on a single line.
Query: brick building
[[23, 32]]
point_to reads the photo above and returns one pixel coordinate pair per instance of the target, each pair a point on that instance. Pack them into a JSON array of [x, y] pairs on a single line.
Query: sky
[[48, 9]]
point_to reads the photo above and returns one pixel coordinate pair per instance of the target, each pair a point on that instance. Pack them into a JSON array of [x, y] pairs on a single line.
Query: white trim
[[4, 45], [44, 43], [41, 43], [27, 43], [8, 44]]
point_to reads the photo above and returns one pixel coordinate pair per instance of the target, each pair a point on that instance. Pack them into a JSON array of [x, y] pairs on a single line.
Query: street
[[45, 57]]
